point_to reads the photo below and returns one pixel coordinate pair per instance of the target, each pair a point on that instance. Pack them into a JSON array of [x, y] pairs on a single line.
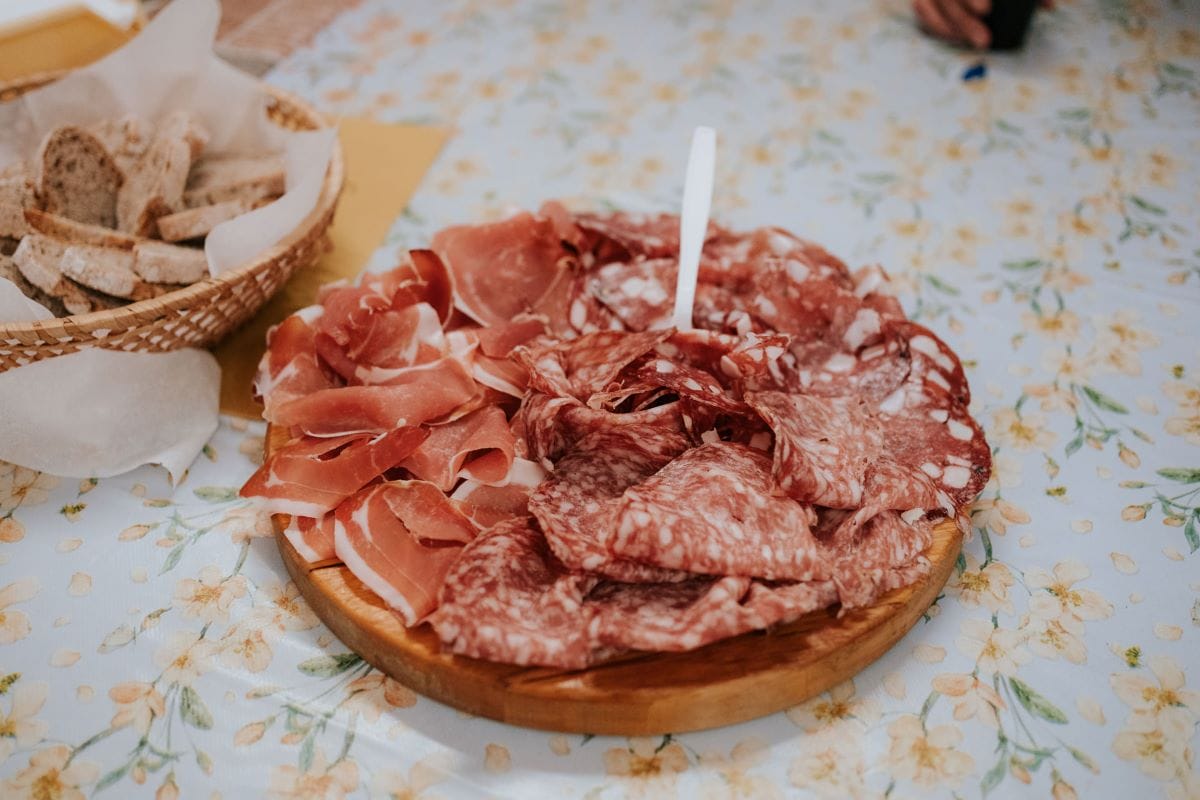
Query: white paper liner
[[79, 416], [97, 413]]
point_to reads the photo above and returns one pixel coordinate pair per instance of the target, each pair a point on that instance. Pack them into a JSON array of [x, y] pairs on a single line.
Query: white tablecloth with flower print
[[1044, 218]]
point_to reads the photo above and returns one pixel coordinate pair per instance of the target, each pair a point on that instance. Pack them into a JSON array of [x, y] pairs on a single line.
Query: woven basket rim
[[56, 329]]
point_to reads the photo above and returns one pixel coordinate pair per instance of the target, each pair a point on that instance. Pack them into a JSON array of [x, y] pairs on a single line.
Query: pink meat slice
[[419, 394], [479, 445], [290, 369], [576, 506], [582, 366], [312, 538], [486, 505], [823, 445], [504, 268], [640, 293], [660, 617], [688, 381], [509, 599], [881, 555], [311, 476], [391, 560], [716, 510]]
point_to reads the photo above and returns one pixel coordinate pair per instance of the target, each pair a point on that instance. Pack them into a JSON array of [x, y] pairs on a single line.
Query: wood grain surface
[[636, 694]]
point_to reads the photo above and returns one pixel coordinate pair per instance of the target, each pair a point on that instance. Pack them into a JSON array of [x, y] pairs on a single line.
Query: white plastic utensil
[[693, 221]]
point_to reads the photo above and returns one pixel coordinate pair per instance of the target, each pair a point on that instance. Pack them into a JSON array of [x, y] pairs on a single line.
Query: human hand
[[956, 20]]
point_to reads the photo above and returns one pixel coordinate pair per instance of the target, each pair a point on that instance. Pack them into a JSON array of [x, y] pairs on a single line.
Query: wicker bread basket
[[204, 312]]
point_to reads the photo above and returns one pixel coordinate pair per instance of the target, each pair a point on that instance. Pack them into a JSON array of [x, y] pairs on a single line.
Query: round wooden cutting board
[[636, 694]]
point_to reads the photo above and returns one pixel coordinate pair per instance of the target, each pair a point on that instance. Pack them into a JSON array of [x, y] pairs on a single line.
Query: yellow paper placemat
[[384, 166]]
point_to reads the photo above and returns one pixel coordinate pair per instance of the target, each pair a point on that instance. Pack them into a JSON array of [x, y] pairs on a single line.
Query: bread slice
[[17, 193], [76, 232], [9, 271], [159, 262], [77, 178], [154, 186], [125, 139], [246, 178], [37, 257], [198, 221], [105, 269], [185, 125]]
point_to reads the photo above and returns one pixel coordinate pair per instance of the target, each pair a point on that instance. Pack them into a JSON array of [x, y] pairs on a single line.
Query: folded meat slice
[[576, 506], [385, 344], [504, 268], [422, 278], [413, 397], [823, 445], [660, 617], [486, 505], [479, 446], [509, 599], [585, 365], [312, 538], [715, 510], [406, 568], [311, 475], [884, 553], [289, 369]]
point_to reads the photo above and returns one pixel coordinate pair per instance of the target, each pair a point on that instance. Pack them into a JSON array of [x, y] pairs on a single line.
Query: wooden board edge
[[560, 701]]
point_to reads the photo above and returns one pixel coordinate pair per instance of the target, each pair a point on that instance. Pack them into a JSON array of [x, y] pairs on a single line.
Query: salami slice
[[823, 446], [688, 381], [580, 367], [576, 507], [945, 444], [668, 617], [640, 293], [883, 554], [509, 599], [714, 510]]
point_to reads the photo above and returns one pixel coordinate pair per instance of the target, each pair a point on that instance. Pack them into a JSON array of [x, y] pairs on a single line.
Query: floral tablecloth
[[1040, 210]]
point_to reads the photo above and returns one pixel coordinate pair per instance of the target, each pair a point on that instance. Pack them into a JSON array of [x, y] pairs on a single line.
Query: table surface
[[1043, 218]]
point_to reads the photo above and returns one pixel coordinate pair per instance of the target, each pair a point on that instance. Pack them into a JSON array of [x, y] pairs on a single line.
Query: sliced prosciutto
[[418, 395], [404, 569], [486, 505], [311, 476], [479, 446], [505, 268], [290, 369], [312, 538]]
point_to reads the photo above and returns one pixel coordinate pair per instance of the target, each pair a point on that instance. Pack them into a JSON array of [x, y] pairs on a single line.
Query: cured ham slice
[[823, 446], [504, 268], [311, 476], [509, 599], [289, 369], [713, 510], [412, 397], [390, 559], [312, 538], [479, 446], [486, 505]]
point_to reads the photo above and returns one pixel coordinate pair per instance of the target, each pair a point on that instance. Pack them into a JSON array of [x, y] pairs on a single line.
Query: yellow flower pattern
[[1040, 217]]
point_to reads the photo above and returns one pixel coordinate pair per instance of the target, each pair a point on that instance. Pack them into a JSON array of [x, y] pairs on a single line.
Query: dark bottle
[[1009, 22]]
